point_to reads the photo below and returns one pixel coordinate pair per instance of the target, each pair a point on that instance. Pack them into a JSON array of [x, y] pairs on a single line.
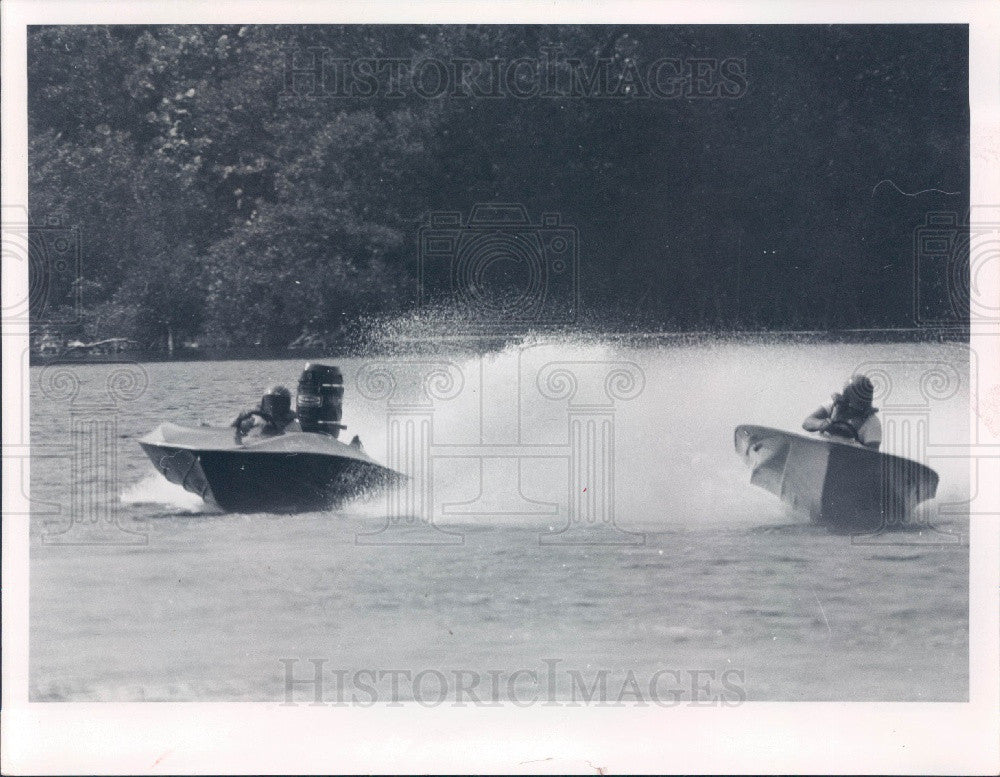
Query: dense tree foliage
[[223, 198]]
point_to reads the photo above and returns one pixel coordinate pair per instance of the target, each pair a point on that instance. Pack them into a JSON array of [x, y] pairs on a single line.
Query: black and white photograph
[[486, 371]]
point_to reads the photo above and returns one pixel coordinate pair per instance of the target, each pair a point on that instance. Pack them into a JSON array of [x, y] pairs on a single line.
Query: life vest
[[855, 421], [257, 423]]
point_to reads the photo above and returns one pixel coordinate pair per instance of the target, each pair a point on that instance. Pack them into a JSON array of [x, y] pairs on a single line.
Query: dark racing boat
[[304, 469]]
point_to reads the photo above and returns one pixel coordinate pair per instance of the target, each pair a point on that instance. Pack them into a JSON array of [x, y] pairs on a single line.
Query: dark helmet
[[859, 392], [277, 402]]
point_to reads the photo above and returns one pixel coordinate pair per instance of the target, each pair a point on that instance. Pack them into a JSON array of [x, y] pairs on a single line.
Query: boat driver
[[850, 416], [274, 416]]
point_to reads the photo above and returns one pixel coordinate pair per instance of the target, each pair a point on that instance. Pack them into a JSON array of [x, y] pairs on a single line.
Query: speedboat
[[287, 473], [304, 469], [841, 485]]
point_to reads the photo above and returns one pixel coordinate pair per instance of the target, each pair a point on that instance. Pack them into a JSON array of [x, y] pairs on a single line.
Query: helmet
[[859, 392], [278, 390], [276, 402]]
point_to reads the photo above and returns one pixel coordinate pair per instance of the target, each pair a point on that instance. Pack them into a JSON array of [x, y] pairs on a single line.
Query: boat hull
[[291, 473], [843, 486]]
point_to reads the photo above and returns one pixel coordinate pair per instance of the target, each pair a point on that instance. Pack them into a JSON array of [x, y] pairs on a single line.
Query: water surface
[[697, 571]]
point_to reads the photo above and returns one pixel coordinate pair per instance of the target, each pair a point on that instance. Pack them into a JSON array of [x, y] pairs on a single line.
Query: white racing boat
[[841, 485]]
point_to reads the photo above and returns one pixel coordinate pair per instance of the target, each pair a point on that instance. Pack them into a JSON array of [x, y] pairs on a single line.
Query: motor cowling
[[320, 399]]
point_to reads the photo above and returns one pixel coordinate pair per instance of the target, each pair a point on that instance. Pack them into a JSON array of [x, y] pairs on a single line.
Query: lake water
[[687, 571]]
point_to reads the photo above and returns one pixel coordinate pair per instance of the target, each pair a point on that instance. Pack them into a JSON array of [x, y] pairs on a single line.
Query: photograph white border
[[794, 737]]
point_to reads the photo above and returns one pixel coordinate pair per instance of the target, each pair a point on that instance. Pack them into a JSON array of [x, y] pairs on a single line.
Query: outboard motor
[[320, 399]]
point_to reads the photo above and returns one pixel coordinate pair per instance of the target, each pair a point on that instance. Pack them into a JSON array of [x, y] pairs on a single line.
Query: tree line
[[264, 185]]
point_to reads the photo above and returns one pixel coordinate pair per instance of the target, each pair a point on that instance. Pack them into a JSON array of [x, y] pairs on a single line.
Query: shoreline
[[431, 343]]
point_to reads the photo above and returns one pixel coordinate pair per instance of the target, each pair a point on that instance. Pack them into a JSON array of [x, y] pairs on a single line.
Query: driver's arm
[[818, 421], [243, 424], [244, 421], [870, 433]]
